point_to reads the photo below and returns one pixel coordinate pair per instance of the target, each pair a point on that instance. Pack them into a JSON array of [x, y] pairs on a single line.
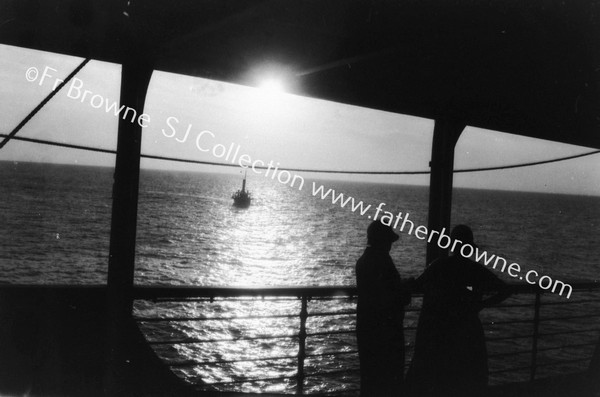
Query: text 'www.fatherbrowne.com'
[[402, 221]]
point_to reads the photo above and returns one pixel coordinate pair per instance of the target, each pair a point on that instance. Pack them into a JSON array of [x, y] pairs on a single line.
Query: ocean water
[[55, 225]]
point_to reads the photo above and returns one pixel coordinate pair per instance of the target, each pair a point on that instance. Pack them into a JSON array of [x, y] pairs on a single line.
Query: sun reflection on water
[[252, 339]]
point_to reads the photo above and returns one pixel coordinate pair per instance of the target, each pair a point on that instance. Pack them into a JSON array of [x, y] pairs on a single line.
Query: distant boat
[[242, 197]]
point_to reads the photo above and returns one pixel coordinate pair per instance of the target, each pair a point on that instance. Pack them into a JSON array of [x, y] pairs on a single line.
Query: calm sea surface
[[55, 225]]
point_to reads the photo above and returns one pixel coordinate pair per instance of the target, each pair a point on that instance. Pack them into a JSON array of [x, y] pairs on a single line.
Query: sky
[[266, 124]]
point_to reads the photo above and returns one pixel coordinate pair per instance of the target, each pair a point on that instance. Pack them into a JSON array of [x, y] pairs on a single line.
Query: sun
[[272, 85], [269, 98]]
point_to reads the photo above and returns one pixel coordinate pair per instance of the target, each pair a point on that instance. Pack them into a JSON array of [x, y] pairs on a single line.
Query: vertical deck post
[[302, 346], [446, 132], [536, 334], [135, 76]]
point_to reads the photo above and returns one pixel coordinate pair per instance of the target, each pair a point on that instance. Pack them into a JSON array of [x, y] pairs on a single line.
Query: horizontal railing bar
[[180, 300], [569, 302], [541, 335], [191, 363], [335, 393], [249, 380], [265, 298], [339, 371], [194, 340], [407, 328], [570, 332], [511, 305], [517, 352], [567, 346], [291, 336], [180, 319], [332, 353], [510, 337], [351, 331], [185, 291], [513, 369], [275, 299], [569, 317], [523, 321], [320, 314], [559, 362], [511, 353], [332, 298], [153, 292]]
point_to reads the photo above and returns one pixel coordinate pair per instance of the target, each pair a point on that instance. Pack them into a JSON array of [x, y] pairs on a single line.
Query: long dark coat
[[380, 315], [450, 356]]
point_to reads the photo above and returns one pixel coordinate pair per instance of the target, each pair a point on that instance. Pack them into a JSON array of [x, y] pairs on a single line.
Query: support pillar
[[446, 132], [135, 77]]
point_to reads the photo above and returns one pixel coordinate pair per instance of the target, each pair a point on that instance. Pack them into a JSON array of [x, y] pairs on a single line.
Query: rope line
[[42, 104], [174, 159], [505, 167], [66, 145]]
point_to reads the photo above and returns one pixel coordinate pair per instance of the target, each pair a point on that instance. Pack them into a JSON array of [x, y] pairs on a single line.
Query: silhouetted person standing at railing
[[380, 315], [450, 356]]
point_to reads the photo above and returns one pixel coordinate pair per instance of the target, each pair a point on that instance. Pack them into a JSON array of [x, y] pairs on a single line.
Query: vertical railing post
[[536, 333], [594, 370], [302, 346]]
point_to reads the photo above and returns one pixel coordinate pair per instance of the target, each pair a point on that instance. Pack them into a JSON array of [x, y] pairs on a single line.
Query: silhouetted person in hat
[[380, 315], [450, 356]]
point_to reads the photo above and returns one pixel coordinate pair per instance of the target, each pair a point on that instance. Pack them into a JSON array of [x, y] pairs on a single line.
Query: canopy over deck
[[530, 68]]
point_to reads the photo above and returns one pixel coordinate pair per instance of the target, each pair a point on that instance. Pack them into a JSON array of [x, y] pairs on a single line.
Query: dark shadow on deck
[[52, 343]]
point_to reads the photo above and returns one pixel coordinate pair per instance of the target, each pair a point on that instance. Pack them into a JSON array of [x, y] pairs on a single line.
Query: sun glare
[[272, 85], [268, 98]]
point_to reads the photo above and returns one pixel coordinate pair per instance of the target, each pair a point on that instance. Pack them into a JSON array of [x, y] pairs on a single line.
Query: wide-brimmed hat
[[378, 232]]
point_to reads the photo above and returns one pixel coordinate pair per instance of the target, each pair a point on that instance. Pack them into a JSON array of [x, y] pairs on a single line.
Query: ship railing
[[532, 335]]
